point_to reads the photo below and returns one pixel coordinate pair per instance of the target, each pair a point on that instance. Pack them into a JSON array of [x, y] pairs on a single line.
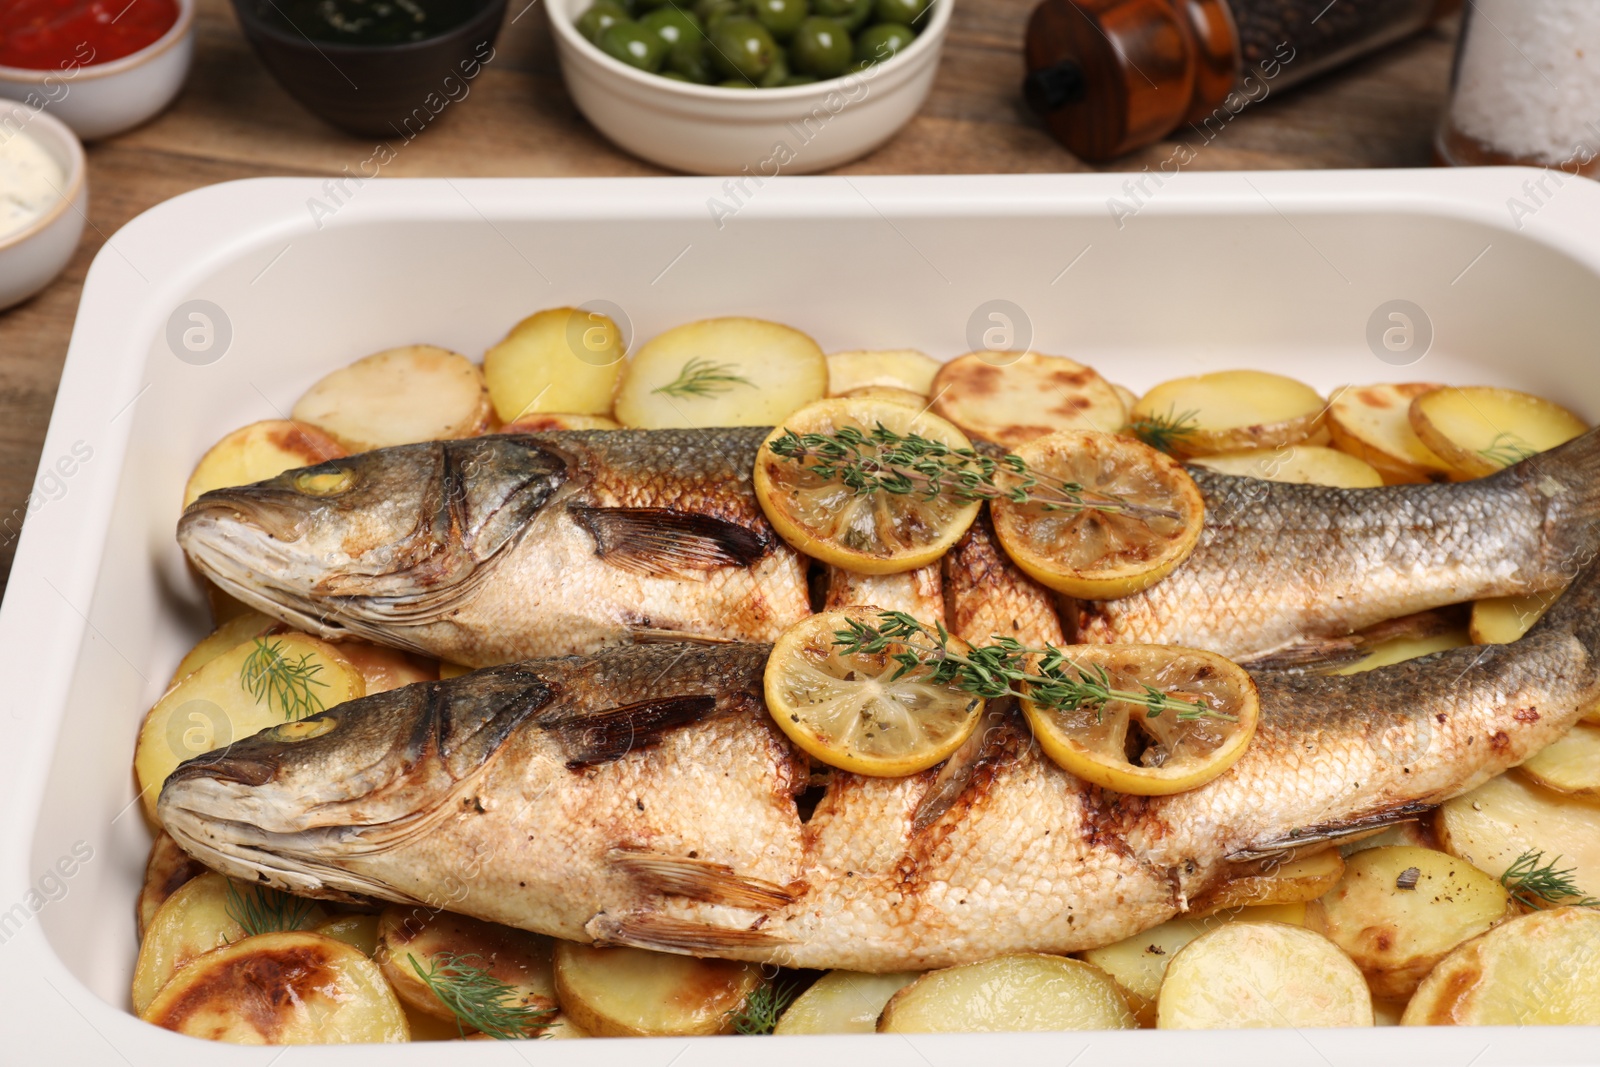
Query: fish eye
[[325, 483], [303, 730]]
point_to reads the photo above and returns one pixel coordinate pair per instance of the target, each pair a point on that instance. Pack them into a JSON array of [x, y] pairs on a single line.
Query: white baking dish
[[1279, 271]]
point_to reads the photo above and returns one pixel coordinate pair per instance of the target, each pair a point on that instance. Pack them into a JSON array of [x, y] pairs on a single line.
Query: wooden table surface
[[233, 121]]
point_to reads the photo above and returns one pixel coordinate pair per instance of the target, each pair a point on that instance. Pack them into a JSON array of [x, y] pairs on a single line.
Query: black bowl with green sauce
[[376, 68]]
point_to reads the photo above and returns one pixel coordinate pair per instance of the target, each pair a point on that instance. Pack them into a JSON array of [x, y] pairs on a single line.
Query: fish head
[[302, 805], [392, 537]]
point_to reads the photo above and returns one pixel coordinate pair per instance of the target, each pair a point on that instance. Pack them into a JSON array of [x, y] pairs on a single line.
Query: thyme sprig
[[283, 683], [260, 910], [1163, 432], [703, 378], [477, 998], [1046, 676], [760, 1012], [1507, 449], [1538, 885], [883, 461]]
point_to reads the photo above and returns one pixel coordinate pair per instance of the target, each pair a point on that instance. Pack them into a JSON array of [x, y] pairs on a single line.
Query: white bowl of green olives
[[755, 87]]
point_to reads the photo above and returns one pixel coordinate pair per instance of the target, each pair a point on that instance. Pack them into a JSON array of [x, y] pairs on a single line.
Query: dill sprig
[[1046, 676], [478, 999], [260, 910], [883, 461], [1163, 432], [1538, 885], [760, 1012], [1507, 449], [701, 377], [282, 682]]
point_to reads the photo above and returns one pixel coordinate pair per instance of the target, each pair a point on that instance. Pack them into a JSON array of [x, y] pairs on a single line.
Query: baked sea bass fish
[[643, 797], [506, 547]]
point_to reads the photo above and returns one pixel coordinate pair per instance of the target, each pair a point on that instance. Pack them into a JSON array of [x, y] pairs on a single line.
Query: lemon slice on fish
[[862, 518], [850, 711], [1148, 517], [1197, 714]]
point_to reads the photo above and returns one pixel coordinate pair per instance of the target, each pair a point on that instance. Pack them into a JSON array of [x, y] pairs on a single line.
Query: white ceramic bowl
[[30, 259], [704, 129], [102, 99]]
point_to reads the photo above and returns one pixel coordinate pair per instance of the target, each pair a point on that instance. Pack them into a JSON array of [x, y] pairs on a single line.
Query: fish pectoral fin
[[662, 933], [697, 879], [1330, 833], [1329, 653], [645, 635], [668, 543], [589, 738]]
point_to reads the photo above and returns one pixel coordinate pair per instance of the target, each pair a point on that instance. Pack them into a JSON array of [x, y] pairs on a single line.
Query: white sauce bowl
[[31, 258], [705, 129]]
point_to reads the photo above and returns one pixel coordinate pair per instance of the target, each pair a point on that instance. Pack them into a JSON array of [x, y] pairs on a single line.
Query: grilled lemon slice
[[849, 710], [1131, 747], [1106, 552], [863, 529]]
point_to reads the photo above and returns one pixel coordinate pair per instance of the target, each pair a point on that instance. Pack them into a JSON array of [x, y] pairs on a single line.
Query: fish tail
[[1576, 611], [1568, 477]]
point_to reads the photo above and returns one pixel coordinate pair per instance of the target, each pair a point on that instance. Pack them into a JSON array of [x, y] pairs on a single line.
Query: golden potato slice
[[554, 421], [165, 872], [557, 360], [261, 683], [1398, 911], [452, 670], [257, 452], [1570, 765], [230, 635], [1507, 819], [397, 397], [1229, 411], [842, 1002], [1262, 975], [629, 992], [901, 368], [1538, 970], [1501, 620], [1404, 647], [1373, 423], [383, 669], [1300, 880], [281, 989], [359, 931], [562, 1028], [1479, 430], [1027, 991], [420, 951], [1012, 398], [1299, 464], [721, 372], [889, 393]]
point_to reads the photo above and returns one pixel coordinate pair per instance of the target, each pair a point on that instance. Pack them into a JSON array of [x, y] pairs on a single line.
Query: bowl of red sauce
[[100, 66]]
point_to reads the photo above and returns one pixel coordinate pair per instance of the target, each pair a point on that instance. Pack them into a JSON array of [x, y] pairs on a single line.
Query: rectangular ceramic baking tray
[[218, 308]]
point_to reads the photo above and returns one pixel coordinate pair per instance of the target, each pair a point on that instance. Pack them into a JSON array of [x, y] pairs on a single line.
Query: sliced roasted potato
[[452, 670], [1373, 423], [553, 421], [1538, 970], [562, 1028], [414, 943], [214, 706], [1506, 818], [1230, 411], [383, 669], [561, 360], [281, 989], [257, 452], [1255, 975], [1398, 911], [1027, 991], [919, 593], [721, 372], [230, 635], [1029, 397], [1400, 649], [397, 397], [1300, 464], [165, 872], [1501, 620], [1480, 429], [359, 930], [1302, 879], [1570, 765], [890, 393], [899, 368], [629, 992], [842, 1002]]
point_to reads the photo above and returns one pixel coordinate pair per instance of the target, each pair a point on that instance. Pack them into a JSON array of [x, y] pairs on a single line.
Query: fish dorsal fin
[[667, 543], [663, 933], [698, 879], [588, 738]]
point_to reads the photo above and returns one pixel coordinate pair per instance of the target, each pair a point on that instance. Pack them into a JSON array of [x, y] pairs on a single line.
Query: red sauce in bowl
[[60, 34]]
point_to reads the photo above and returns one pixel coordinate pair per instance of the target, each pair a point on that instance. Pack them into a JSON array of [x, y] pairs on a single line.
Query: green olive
[[742, 48], [734, 83], [711, 12], [601, 16], [672, 24], [853, 13], [905, 12], [821, 46], [797, 79], [634, 45], [877, 43], [777, 73], [780, 17], [688, 59]]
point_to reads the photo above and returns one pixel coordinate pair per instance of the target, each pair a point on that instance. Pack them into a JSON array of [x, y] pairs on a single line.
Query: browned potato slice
[[558, 360], [842, 1002], [554, 421], [1012, 398], [1406, 646], [1254, 975], [414, 943], [903, 368], [165, 872], [1501, 620], [1300, 464], [1570, 765], [1398, 911], [257, 452], [1479, 430], [397, 397], [629, 992], [281, 989], [359, 931], [1373, 423], [1027, 991], [230, 635], [890, 393], [1538, 970], [383, 669], [1507, 818], [1299, 880], [1230, 411]]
